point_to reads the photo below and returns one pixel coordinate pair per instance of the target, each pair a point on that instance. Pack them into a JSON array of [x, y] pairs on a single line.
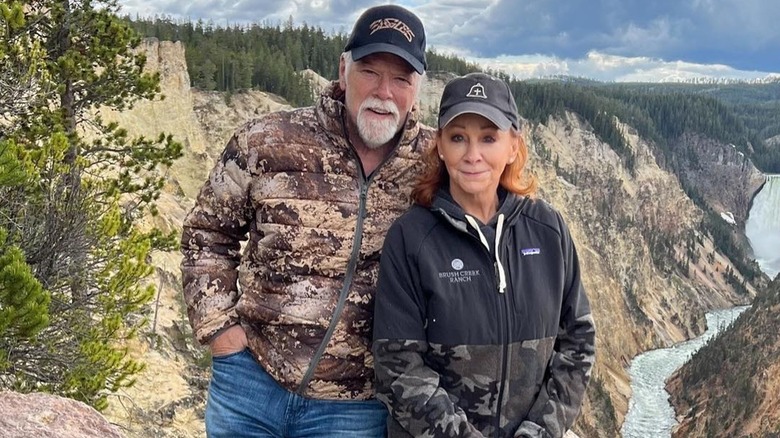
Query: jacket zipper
[[504, 334], [351, 268], [505, 353], [507, 326], [365, 181], [504, 297]]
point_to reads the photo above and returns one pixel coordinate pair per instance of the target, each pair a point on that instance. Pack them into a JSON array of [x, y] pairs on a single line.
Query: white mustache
[[375, 104]]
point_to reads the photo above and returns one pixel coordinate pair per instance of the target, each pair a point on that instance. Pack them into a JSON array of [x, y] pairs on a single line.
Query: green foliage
[[84, 183], [21, 62], [12, 172], [742, 114], [266, 57], [449, 63], [537, 101], [24, 304]]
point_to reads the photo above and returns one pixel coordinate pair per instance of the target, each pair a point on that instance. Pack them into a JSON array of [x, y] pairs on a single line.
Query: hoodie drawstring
[[501, 273], [498, 264], [474, 224]]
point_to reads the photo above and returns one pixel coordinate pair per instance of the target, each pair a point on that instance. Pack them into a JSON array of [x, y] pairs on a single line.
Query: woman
[[482, 326]]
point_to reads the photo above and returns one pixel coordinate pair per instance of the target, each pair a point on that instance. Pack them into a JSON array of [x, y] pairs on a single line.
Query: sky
[[606, 40]]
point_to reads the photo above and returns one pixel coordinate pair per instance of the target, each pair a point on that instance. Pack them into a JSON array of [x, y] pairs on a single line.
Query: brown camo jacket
[[292, 183]]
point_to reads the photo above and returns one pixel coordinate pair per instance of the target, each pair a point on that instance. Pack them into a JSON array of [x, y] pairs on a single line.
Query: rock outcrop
[[724, 176], [49, 416]]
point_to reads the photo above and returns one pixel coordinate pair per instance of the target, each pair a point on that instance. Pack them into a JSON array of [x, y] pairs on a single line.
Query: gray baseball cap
[[479, 93]]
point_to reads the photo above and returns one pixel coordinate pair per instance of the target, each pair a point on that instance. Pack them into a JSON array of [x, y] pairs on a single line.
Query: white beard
[[374, 132]]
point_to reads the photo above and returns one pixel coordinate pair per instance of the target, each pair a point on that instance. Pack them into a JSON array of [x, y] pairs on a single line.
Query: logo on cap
[[477, 90], [392, 23]]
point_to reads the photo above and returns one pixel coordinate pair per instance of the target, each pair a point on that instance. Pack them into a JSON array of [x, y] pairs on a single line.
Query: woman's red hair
[[514, 178]]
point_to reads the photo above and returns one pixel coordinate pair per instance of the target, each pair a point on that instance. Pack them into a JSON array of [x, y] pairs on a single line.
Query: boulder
[[49, 416]]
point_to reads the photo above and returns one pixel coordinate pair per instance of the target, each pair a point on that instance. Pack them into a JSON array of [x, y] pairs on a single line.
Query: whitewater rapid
[[650, 415]]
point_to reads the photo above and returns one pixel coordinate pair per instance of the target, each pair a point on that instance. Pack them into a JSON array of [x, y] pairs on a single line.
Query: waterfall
[[763, 226]]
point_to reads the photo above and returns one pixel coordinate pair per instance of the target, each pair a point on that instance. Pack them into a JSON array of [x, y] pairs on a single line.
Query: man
[[289, 318]]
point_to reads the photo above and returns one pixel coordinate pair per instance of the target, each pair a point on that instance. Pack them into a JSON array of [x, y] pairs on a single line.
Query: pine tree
[[24, 304], [90, 182]]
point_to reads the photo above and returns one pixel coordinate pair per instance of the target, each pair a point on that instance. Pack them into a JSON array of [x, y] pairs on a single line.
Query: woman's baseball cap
[[479, 93]]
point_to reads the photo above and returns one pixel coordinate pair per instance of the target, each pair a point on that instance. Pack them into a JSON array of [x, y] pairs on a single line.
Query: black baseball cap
[[391, 29], [479, 93]]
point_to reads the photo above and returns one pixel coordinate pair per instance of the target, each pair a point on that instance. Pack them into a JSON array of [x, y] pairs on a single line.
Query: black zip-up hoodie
[[481, 330]]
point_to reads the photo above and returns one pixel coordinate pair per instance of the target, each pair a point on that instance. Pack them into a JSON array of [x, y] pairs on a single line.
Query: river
[[650, 415]]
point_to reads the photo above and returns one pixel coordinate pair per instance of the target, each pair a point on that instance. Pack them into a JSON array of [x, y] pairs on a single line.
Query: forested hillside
[[264, 56], [267, 57]]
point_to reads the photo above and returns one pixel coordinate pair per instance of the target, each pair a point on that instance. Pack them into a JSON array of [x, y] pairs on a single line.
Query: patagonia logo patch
[[530, 251]]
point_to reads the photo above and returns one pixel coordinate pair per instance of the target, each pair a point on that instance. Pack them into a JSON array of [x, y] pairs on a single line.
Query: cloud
[[739, 33], [740, 23], [709, 31], [329, 14], [218, 11], [656, 37], [608, 68]]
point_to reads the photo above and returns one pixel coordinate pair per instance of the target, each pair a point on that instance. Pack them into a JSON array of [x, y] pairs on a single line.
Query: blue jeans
[[245, 401]]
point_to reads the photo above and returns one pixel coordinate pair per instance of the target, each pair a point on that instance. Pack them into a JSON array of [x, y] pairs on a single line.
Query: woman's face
[[475, 153]]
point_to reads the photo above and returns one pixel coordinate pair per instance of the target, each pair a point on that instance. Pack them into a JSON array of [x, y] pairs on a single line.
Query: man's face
[[380, 90]]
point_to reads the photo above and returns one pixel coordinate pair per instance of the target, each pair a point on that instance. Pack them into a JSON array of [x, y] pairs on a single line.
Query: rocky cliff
[[649, 271], [630, 229], [724, 176]]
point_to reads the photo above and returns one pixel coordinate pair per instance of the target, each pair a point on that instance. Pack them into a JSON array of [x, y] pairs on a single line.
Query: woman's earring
[[441, 156]]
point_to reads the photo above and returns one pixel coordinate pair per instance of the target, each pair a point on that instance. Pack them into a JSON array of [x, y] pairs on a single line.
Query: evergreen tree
[[24, 304], [90, 182]]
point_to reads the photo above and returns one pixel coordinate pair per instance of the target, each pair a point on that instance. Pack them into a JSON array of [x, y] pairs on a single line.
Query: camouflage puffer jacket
[[303, 286], [481, 329]]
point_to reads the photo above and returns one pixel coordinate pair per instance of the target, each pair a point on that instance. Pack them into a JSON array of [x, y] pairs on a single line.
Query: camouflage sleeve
[[560, 398], [405, 384], [211, 243]]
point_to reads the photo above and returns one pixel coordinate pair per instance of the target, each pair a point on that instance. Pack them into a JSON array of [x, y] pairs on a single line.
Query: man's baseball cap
[[479, 93], [391, 29]]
